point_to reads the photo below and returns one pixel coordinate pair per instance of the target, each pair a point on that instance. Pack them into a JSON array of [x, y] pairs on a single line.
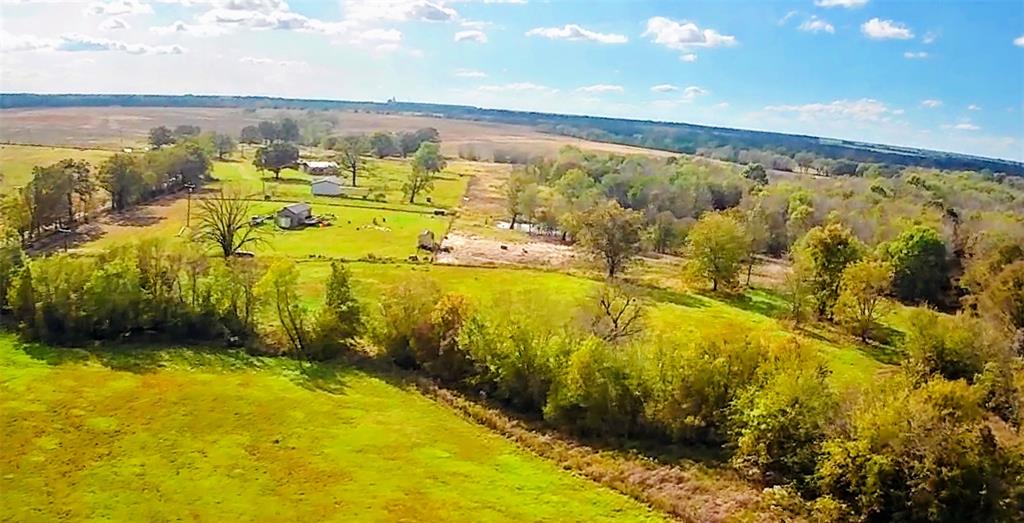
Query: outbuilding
[[326, 186], [294, 215], [319, 168]]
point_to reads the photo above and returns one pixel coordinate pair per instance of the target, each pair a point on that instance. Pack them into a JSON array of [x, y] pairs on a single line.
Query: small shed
[[319, 168], [426, 240], [326, 186], [292, 216]]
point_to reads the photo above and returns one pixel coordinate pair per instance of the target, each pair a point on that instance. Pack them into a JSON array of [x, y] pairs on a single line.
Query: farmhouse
[[319, 168], [292, 216], [326, 186]]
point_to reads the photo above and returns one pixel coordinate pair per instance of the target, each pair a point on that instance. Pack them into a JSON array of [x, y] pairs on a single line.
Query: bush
[[340, 320], [404, 318], [947, 346], [778, 425], [439, 351], [918, 455]]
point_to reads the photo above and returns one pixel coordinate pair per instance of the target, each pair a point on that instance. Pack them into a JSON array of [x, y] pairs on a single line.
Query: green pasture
[[17, 161], [188, 434]]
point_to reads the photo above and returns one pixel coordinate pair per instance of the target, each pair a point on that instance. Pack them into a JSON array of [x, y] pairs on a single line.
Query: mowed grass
[[17, 161], [560, 298], [185, 434]]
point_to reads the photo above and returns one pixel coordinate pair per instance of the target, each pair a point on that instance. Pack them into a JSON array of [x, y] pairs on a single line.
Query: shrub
[[441, 355], [404, 317], [921, 454], [340, 320], [948, 346]]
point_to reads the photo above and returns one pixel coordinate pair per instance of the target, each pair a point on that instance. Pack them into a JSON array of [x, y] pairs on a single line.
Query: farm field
[[17, 161], [127, 126], [246, 438]]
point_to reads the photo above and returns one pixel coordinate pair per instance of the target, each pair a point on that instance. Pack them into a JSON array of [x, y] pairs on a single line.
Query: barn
[[326, 186], [319, 168], [292, 216]]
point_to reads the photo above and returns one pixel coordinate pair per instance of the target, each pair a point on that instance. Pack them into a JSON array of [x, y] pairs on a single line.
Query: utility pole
[[188, 212]]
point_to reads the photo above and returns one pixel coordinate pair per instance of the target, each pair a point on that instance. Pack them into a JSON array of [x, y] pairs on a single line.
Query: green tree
[[756, 173], [279, 286], [340, 320], [270, 132], [186, 131], [224, 144], [250, 134], [1003, 299], [716, 247], [861, 295], [826, 251], [288, 130], [920, 264], [612, 234], [383, 144], [160, 136], [426, 163], [122, 176], [275, 157], [515, 189], [350, 155]]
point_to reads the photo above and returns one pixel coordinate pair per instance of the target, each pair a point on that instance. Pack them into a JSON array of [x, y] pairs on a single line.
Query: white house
[[327, 186]]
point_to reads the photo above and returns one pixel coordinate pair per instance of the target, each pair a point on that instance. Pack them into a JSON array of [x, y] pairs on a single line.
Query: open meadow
[[149, 434]]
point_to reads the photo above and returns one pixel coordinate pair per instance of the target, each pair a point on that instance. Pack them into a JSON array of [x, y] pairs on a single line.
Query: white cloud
[[910, 55], [784, 19], [931, 103], [399, 10], [962, 126], [973, 107], [119, 7], [865, 109], [518, 87], [885, 30], [664, 88], [10, 43], [181, 28], [816, 25], [692, 92], [469, 73], [1019, 41], [295, 64], [849, 4], [601, 88], [471, 35], [577, 33], [75, 42], [113, 24], [688, 57], [929, 37], [721, 105], [684, 35]]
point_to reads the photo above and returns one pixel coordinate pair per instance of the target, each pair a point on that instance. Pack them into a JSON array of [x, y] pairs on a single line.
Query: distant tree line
[[678, 137]]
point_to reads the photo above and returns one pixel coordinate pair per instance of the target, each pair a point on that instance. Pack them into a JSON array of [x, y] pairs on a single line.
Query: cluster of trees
[[61, 194], [218, 143], [161, 290], [270, 131], [383, 144], [769, 402]]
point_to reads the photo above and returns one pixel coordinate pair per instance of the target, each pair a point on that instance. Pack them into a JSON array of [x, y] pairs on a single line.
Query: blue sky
[[946, 75]]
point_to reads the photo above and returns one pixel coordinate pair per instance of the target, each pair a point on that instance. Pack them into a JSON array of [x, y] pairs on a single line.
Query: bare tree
[[617, 313], [224, 222], [350, 155]]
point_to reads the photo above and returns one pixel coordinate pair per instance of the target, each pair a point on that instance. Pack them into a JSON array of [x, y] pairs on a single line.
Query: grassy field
[[17, 161], [186, 434]]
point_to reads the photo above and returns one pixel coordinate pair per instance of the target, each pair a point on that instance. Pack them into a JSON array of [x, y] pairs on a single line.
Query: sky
[[946, 75]]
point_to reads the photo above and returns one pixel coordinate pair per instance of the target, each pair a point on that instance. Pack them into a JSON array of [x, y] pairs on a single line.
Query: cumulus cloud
[[849, 4], [865, 109], [664, 88], [113, 24], [294, 64], [684, 35], [1019, 41], [518, 87], [692, 92], [470, 73], [816, 25], [973, 107], [931, 103], [784, 19], [181, 28], [601, 88], [576, 33], [16, 43], [878, 29], [75, 42], [688, 57], [910, 55], [399, 10], [471, 35], [119, 7], [929, 37]]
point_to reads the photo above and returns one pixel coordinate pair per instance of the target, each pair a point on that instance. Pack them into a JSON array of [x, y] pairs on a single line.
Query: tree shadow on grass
[[330, 376], [750, 301], [669, 296]]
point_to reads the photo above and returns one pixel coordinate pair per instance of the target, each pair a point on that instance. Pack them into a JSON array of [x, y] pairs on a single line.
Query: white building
[[327, 186], [319, 168]]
